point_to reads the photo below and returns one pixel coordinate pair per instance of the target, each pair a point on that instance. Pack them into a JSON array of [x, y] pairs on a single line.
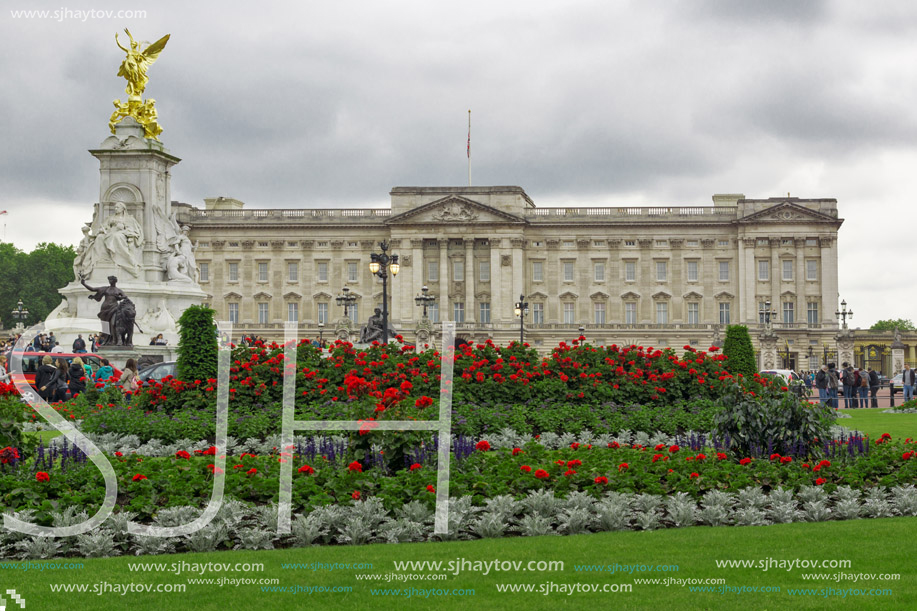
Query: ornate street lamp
[[20, 313], [521, 309], [346, 300], [582, 332], [321, 331], [381, 265], [843, 314], [768, 314], [425, 300]]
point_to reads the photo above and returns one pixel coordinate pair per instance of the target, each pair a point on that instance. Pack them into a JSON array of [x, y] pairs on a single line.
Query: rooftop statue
[[134, 68]]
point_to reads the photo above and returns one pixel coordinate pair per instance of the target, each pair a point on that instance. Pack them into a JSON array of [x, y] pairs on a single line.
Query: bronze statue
[[372, 331], [117, 311]]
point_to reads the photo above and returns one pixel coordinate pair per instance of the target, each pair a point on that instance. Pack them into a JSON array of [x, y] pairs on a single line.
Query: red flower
[[569, 472], [252, 471], [356, 495], [415, 466], [42, 476], [574, 463], [526, 468], [673, 449], [614, 445], [574, 446], [306, 469], [211, 451], [482, 446], [695, 474], [720, 456], [139, 477], [406, 386], [660, 446], [238, 467], [700, 457], [182, 454], [214, 469], [601, 480], [786, 459], [119, 454], [805, 465], [517, 451], [658, 457], [430, 488], [825, 463], [820, 481], [247, 454], [355, 466], [423, 402], [744, 461], [907, 455], [623, 466], [542, 474], [775, 456]]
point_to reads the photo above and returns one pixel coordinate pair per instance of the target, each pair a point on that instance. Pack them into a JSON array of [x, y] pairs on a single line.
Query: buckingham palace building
[[654, 276]]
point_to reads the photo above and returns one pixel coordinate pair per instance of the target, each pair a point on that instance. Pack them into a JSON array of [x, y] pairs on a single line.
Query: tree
[[34, 277], [903, 324], [197, 345], [740, 354]]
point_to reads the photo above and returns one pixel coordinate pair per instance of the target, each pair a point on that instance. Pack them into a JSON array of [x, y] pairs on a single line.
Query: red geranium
[[355, 466], [569, 472], [42, 476], [744, 461], [601, 480], [306, 469], [526, 468], [430, 488], [820, 481], [423, 402], [517, 451], [414, 467], [252, 471], [623, 466], [119, 454], [482, 446], [720, 456], [542, 474], [673, 449], [356, 495], [139, 477], [182, 454], [695, 474]]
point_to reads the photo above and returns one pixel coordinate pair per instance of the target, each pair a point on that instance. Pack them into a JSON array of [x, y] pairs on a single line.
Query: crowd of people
[[858, 387]]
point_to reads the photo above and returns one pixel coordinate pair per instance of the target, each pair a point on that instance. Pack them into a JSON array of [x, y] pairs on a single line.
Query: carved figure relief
[[455, 212]]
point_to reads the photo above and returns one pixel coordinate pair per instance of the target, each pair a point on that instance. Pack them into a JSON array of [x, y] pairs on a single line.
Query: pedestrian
[[821, 383], [907, 382], [62, 388], [848, 383], [77, 377], [128, 380], [46, 378], [833, 385], [57, 349], [863, 388], [874, 384], [105, 373], [4, 374], [79, 344]]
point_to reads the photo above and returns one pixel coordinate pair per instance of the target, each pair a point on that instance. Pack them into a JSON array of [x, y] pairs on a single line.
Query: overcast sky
[[330, 104]]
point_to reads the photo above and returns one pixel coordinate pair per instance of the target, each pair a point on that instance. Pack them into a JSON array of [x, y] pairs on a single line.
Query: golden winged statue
[[134, 68], [135, 65]]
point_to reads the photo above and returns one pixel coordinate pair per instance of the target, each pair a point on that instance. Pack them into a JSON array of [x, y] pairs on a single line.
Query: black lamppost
[[786, 357], [521, 309], [810, 353], [20, 313], [321, 331], [424, 300], [345, 300], [582, 332], [843, 314], [768, 314], [381, 265]]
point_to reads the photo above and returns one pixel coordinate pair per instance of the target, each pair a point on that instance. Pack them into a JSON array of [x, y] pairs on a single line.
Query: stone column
[[828, 265], [776, 278], [897, 358], [445, 313], [417, 271], [469, 280], [802, 302], [496, 284], [519, 270]]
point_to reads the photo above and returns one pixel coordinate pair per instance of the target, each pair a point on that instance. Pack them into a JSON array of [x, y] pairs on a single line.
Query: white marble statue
[[122, 237], [158, 320], [85, 254], [175, 247]]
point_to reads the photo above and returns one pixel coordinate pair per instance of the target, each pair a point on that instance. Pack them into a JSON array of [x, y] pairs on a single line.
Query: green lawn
[[874, 422], [872, 546]]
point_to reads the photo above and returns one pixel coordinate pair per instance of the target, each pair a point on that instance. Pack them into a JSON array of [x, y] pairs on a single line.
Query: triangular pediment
[[662, 295], [568, 295], [537, 295], [263, 295], [321, 295], [787, 294], [788, 212], [630, 296], [599, 296], [724, 295], [292, 295], [232, 295], [454, 210], [693, 295]]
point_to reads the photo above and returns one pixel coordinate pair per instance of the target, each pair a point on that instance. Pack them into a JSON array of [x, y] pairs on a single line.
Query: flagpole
[[469, 148]]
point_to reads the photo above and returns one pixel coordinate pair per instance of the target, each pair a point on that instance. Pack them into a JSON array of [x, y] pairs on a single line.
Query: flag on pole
[[469, 134], [2, 211]]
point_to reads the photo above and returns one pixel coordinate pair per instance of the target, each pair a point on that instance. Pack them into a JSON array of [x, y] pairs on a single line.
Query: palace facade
[[659, 276]]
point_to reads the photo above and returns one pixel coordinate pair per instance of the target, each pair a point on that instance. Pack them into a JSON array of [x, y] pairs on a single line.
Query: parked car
[[31, 361], [157, 371], [789, 377]]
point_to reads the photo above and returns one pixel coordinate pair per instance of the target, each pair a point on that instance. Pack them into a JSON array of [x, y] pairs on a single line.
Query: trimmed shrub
[[197, 344], [739, 351]]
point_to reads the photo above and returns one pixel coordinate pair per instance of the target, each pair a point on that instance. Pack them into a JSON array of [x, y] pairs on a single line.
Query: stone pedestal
[[844, 347], [897, 357], [142, 355], [423, 335], [768, 343]]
